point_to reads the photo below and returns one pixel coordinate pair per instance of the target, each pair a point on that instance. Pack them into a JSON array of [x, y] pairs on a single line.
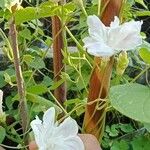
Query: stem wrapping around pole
[[94, 119]]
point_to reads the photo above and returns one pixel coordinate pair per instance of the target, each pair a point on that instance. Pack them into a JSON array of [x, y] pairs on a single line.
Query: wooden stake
[[60, 92], [19, 77]]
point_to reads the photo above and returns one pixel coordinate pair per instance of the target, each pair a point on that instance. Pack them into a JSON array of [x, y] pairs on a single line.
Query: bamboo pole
[[94, 120]]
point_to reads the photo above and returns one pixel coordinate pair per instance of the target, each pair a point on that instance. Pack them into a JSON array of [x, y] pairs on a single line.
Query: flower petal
[[97, 48], [126, 36], [96, 28], [49, 118], [67, 128], [37, 128], [74, 143], [71, 143], [115, 23]]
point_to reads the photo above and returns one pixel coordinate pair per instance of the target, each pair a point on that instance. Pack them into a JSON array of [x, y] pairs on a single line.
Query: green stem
[[74, 39], [81, 49], [140, 74], [58, 103], [99, 7], [81, 77], [84, 11], [11, 147], [104, 7]]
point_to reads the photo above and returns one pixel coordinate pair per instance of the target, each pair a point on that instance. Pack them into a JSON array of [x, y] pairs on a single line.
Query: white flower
[[51, 136], [106, 41]]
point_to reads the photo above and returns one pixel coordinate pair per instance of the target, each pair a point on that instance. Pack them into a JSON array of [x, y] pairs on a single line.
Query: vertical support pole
[[60, 92], [23, 110]]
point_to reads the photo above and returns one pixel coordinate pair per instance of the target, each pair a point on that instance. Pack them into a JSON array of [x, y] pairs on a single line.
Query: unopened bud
[[122, 63]]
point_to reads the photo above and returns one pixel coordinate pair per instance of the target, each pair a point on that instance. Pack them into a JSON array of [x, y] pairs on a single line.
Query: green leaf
[[57, 84], [141, 143], [46, 9], [2, 134], [9, 102], [73, 101], [141, 2], [47, 81], [39, 100], [27, 58], [122, 145], [26, 14], [145, 54], [2, 81], [69, 7], [37, 89], [147, 126], [76, 102], [142, 13], [3, 4], [8, 79], [127, 128], [26, 34], [113, 130], [132, 100], [37, 63]]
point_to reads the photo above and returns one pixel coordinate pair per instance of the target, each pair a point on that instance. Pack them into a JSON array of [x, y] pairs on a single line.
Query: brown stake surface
[[60, 92], [20, 81]]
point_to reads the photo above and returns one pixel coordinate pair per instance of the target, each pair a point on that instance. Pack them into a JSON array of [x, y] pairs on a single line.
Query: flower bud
[[122, 63]]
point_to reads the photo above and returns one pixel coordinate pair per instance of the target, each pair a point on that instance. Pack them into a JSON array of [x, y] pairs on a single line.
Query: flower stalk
[[94, 119]]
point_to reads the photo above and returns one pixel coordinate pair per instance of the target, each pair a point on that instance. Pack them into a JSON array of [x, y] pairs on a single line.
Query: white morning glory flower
[[106, 41], [51, 136]]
